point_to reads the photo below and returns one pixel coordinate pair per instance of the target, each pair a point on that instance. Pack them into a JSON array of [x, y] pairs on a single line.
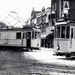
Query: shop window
[[18, 35]]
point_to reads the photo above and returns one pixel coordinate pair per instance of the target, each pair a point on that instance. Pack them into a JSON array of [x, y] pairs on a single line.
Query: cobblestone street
[[37, 62]]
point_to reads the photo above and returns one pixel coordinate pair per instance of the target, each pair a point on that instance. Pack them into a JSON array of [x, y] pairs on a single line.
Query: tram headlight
[[58, 47]]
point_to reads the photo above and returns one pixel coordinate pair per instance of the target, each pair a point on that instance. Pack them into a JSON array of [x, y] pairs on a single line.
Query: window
[[67, 31], [54, 6], [55, 32], [63, 32], [39, 20], [65, 11], [28, 35], [58, 32], [24, 35], [38, 35], [18, 35], [65, 4], [44, 19], [44, 28], [72, 33], [0, 35], [49, 17], [33, 35]]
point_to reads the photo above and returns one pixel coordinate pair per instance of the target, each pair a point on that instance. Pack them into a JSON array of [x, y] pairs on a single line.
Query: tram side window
[[38, 34], [58, 32], [24, 35], [67, 31], [55, 33], [0, 35], [33, 35], [63, 32], [18, 35], [72, 33]]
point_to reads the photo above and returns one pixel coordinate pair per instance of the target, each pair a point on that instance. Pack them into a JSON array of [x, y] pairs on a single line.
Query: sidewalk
[[43, 48]]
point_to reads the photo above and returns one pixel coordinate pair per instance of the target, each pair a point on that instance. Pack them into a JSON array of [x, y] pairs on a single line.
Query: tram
[[64, 39], [22, 38]]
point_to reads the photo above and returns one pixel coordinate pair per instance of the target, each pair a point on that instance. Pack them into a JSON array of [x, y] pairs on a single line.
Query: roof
[[64, 23], [21, 29]]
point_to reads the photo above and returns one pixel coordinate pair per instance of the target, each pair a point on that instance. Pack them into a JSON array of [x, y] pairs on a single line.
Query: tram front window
[[58, 32], [72, 33], [63, 32], [67, 31]]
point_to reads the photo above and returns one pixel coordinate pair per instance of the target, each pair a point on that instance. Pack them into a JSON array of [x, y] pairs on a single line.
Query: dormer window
[[66, 5], [65, 11]]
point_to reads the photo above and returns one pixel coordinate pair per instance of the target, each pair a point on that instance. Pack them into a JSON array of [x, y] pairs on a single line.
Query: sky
[[23, 8]]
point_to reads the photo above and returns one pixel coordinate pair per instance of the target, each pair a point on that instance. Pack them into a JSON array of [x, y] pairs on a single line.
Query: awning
[[37, 29], [45, 35]]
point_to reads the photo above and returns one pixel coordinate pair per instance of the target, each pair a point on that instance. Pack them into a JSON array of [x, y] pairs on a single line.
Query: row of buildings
[[45, 22], [60, 12]]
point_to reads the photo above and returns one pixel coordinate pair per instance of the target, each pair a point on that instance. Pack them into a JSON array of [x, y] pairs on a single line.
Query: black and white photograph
[[37, 37]]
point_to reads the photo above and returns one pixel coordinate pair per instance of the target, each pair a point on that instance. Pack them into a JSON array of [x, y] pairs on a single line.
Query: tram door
[[28, 43]]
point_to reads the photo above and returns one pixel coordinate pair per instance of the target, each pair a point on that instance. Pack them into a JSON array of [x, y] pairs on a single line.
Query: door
[[28, 38]]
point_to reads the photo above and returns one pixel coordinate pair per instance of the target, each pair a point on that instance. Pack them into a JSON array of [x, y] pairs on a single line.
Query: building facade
[[33, 17], [45, 24], [64, 10]]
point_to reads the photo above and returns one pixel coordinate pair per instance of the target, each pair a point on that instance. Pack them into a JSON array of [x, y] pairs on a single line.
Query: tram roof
[[64, 23], [21, 29]]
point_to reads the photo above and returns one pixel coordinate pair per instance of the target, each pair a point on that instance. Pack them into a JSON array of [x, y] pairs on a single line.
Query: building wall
[[44, 23], [72, 9], [63, 7]]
